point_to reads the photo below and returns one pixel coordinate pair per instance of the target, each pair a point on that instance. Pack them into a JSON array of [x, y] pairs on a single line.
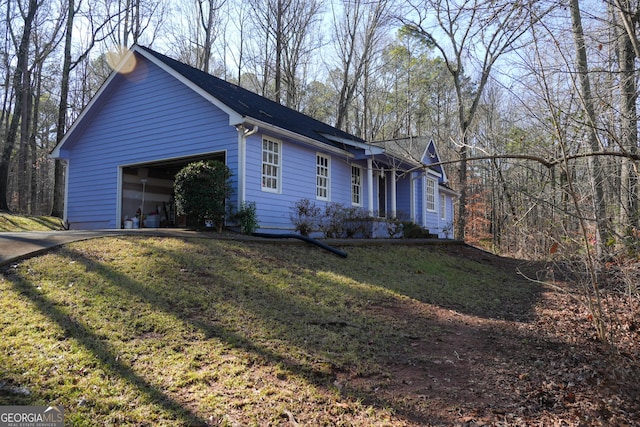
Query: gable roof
[[250, 105], [415, 151], [241, 104]]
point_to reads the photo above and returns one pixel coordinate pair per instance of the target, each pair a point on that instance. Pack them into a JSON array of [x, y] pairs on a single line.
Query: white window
[[431, 195], [356, 186], [443, 207], [271, 165], [323, 181]]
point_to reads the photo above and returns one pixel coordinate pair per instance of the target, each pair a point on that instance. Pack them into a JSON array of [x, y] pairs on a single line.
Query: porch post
[[423, 182], [412, 199], [393, 193], [370, 185]]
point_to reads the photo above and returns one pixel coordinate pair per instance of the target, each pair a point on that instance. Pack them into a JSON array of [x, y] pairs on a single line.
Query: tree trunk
[[59, 176], [12, 133], [596, 173], [279, 36], [35, 183], [23, 147], [628, 123]]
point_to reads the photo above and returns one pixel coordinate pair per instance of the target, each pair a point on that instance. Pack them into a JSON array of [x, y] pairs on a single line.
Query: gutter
[[294, 136], [243, 134]]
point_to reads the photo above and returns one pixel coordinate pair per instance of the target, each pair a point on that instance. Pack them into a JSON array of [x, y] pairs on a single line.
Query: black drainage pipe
[[303, 238]]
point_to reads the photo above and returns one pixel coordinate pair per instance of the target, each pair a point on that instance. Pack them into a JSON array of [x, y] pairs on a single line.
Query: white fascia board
[[435, 148], [448, 190], [295, 136], [432, 172], [368, 148], [234, 117]]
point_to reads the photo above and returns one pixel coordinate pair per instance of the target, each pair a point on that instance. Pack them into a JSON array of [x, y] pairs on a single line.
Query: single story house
[[154, 115]]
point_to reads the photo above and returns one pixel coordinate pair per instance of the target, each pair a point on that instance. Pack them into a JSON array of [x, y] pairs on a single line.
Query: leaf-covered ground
[[166, 331]]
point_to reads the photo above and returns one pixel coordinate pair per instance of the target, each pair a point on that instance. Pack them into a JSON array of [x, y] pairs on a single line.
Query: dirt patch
[[545, 369]]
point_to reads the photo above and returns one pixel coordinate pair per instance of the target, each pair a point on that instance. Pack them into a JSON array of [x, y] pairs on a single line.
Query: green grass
[[162, 331], [13, 222]]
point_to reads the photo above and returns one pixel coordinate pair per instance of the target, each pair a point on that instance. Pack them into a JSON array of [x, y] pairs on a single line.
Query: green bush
[[413, 231], [201, 190], [247, 218]]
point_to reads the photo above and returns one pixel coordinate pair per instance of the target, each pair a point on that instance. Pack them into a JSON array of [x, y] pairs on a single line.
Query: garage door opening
[[147, 193]]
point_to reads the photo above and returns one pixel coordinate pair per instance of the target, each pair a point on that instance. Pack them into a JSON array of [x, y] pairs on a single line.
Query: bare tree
[[472, 34], [288, 32], [195, 44], [358, 28], [131, 20], [209, 14], [627, 51], [96, 28], [20, 83], [587, 99]]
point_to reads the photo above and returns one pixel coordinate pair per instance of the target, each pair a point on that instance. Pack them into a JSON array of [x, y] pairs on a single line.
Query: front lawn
[[14, 222], [163, 331]]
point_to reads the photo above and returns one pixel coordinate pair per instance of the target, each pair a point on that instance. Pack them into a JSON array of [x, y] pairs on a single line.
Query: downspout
[[424, 200], [65, 207], [393, 194], [370, 184], [243, 134]]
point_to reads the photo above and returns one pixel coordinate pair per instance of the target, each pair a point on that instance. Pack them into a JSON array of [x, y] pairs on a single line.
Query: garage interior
[[147, 193]]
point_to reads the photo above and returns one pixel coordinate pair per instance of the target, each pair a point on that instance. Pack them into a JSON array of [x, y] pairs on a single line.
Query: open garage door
[[147, 192]]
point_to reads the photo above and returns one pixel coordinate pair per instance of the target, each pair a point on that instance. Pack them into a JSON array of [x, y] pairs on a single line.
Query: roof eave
[[293, 135], [370, 150]]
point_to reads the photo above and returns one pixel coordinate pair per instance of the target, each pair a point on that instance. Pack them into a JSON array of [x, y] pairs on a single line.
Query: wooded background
[[534, 102]]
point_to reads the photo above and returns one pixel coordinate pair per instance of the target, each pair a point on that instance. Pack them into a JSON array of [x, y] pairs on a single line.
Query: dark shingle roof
[[420, 149], [252, 105]]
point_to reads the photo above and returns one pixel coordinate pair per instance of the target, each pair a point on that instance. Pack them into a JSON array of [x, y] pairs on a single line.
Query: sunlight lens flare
[[119, 60]]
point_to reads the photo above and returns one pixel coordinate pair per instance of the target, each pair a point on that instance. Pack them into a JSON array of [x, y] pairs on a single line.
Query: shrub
[[413, 231], [332, 223], [201, 190], [247, 218], [358, 223], [394, 227], [304, 216]]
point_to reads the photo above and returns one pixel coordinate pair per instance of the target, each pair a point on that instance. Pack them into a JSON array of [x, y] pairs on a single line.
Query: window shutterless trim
[[271, 176], [323, 177], [356, 185]]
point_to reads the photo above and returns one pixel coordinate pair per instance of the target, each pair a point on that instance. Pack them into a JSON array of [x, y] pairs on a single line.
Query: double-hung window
[[323, 178], [431, 194], [443, 207], [271, 165], [356, 186]]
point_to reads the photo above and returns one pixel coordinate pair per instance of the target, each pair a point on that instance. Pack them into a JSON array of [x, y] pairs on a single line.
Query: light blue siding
[[298, 162], [419, 198], [145, 116], [403, 197], [150, 116]]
